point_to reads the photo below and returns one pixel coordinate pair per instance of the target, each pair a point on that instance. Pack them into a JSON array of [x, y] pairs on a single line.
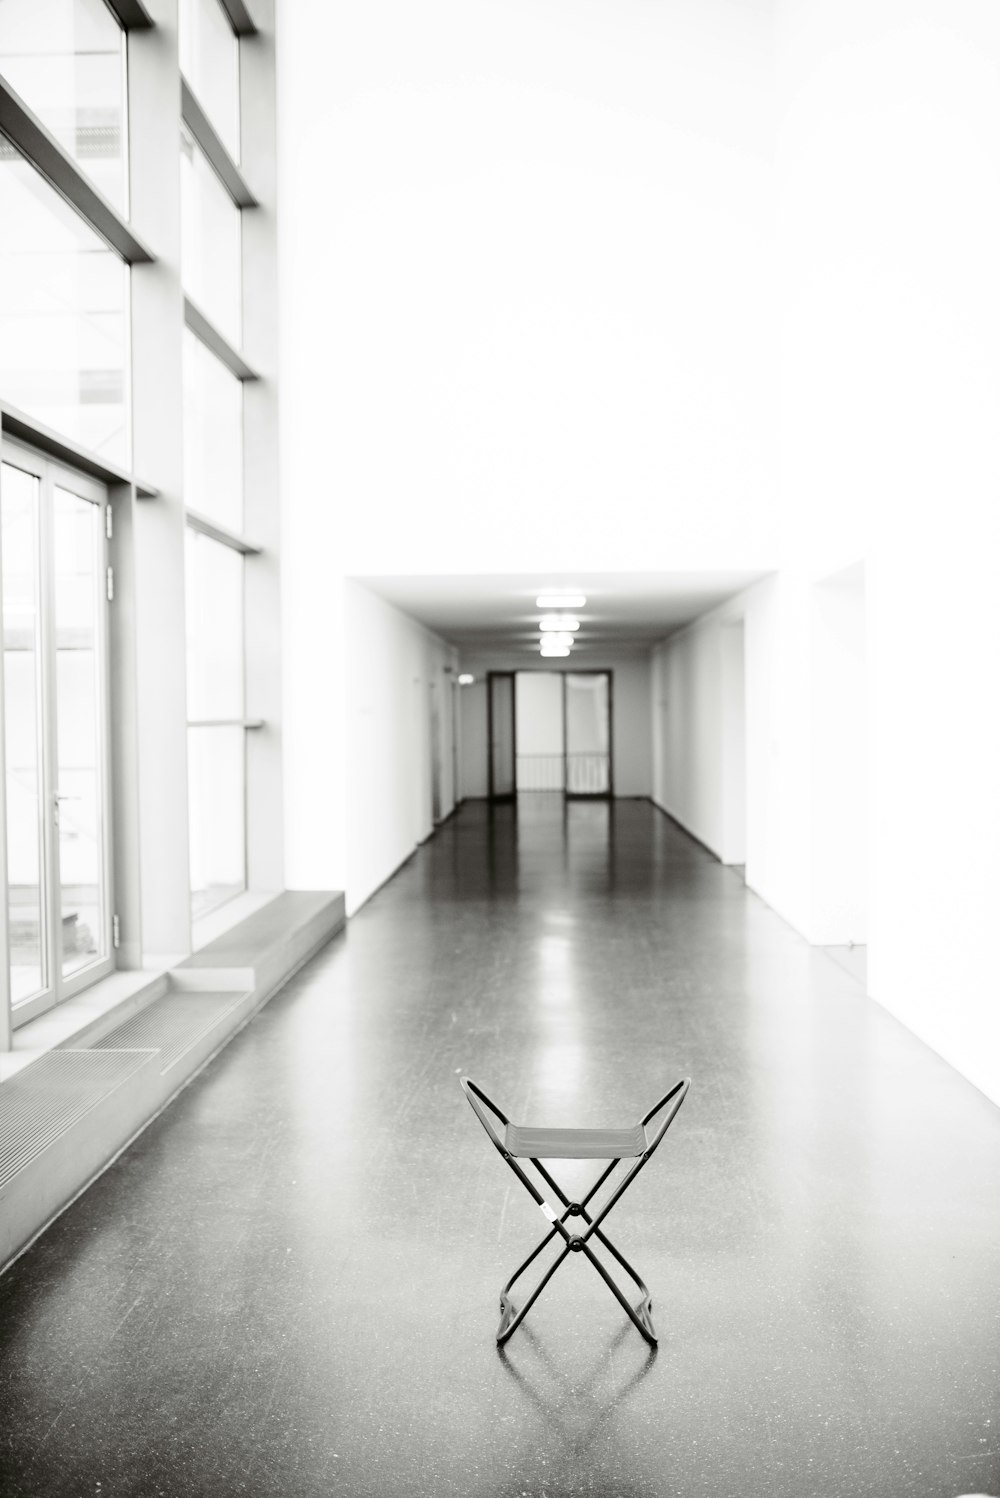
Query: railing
[[588, 774], [540, 772], [577, 774]]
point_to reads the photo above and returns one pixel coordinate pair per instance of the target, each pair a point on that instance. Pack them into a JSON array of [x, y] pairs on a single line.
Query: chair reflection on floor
[[575, 1407]]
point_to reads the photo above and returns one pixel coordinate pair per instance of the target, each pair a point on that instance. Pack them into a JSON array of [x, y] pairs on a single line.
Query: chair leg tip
[[507, 1314], [643, 1313]]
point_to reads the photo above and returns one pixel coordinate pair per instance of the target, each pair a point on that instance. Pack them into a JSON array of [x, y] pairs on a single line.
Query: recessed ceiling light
[[557, 639], [560, 601], [465, 680], [548, 650], [560, 622]]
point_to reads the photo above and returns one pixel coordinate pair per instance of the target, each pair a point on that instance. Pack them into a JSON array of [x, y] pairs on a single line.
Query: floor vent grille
[[172, 1024], [53, 1093]]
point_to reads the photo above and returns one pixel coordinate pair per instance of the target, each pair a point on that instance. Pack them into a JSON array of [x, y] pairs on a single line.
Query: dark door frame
[[495, 795]]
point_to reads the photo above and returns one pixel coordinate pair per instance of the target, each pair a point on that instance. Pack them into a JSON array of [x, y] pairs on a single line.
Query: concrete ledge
[[293, 921], [171, 1024]]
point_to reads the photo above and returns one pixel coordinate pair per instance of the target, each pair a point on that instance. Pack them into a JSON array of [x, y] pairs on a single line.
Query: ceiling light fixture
[[560, 601], [465, 680], [548, 650], [560, 622], [558, 639]]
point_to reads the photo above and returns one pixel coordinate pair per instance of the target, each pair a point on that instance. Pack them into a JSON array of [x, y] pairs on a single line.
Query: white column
[[156, 587]]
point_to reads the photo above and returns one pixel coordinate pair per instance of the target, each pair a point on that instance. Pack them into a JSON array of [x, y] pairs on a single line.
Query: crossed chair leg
[[640, 1314]]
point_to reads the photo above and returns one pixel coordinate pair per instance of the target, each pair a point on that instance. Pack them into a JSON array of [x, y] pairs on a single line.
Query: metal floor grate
[[171, 1024], [53, 1093]]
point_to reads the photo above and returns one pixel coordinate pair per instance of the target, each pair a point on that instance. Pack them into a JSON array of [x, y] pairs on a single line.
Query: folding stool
[[519, 1143]]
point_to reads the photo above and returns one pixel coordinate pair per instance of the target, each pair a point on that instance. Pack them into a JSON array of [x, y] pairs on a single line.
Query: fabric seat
[[575, 1144]]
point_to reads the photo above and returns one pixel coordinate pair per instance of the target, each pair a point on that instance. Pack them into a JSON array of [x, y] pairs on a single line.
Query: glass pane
[[214, 607], [67, 61], [76, 547], [210, 61], [538, 716], [216, 771], [213, 436], [210, 242], [22, 710], [62, 315], [588, 734]]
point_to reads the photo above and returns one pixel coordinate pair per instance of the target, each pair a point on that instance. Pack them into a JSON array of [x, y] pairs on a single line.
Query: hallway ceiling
[[490, 613]]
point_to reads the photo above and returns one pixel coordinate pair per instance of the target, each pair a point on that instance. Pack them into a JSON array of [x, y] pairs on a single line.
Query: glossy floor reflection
[[288, 1285]]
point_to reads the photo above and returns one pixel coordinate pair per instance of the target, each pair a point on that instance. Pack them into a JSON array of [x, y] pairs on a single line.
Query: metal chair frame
[[582, 1144]]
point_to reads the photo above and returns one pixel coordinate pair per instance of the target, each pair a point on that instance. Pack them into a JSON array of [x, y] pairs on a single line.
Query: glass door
[[53, 582], [587, 720]]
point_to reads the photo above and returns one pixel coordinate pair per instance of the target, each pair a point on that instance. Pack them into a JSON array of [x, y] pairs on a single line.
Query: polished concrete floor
[[288, 1285]]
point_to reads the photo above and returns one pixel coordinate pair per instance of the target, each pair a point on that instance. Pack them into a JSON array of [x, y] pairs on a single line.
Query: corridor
[[288, 1284]]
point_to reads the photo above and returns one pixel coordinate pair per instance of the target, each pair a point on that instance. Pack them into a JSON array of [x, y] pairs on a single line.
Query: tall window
[[213, 457], [210, 242], [213, 437], [216, 732], [63, 324], [210, 61], [67, 62], [64, 374], [93, 865]]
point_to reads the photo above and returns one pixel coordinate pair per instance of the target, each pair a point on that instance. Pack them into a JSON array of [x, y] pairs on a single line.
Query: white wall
[[841, 760], [352, 821], [525, 280], [630, 709], [391, 661], [889, 231], [688, 726], [630, 718], [871, 753], [778, 747], [761, 746], [734, 755], [699, 764]]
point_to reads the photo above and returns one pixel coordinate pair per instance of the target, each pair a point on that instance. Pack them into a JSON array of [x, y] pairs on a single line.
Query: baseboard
[[672, 817]]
